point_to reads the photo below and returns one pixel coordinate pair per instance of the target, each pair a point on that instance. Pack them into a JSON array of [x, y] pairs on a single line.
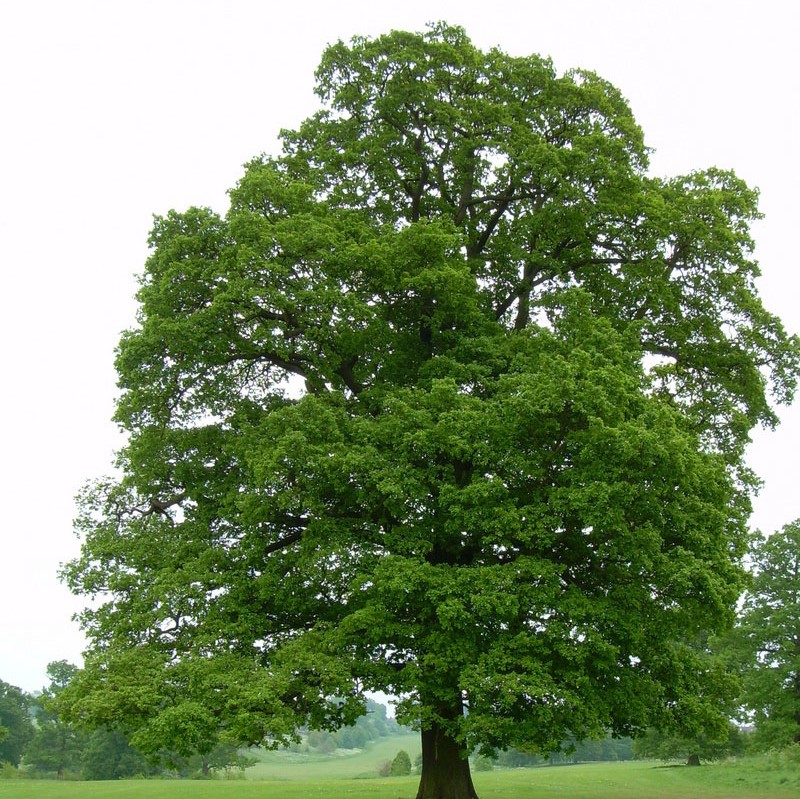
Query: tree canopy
[[766, 642], [451, 403]]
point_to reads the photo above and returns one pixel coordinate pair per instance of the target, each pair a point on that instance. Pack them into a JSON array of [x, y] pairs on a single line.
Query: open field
[[636, 780], [345, 764]]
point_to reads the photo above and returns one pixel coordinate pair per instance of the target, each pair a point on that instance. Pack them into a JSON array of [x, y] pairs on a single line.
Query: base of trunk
[[445, 768]]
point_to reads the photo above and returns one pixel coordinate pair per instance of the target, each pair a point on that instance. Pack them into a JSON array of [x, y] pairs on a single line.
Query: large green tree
[[766, 640], [452, 404]]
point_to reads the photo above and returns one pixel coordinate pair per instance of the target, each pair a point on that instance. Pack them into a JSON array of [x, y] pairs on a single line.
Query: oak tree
[[452, 404]]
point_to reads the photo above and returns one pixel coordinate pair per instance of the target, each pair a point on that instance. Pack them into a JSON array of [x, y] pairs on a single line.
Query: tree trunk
[[445, 768]]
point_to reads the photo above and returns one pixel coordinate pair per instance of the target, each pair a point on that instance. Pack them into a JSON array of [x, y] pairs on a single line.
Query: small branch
[[161, 506], [284, 542], [504, 201]]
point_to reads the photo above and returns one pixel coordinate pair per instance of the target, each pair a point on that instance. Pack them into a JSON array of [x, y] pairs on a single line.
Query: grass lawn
[[747, 779]]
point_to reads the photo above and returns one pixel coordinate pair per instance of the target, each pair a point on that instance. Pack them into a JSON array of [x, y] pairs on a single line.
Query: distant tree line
[[373, 725], [602, 750]]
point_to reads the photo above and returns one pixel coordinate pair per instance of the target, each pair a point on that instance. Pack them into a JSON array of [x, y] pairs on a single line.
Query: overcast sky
[[111, 111]]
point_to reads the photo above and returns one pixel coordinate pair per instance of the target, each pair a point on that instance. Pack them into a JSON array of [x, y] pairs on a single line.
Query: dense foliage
[[38, 742], [55, 746], [452, 404], [15, 723], [765, 646]]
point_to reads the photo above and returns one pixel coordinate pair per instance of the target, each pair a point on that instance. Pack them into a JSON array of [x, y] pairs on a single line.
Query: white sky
[[113, 110]]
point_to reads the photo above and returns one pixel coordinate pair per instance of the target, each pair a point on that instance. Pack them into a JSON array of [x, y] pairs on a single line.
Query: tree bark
[[445, 767]]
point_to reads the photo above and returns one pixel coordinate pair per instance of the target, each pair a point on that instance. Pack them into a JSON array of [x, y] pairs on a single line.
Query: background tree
[[664, 746], [60, 748], [108, 755], [16, 728], [451, 404], [482, 763], [766, 641], [227, 756], [55, 747]]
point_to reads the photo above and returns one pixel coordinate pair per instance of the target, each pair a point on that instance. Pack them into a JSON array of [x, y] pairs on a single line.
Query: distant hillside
[[304, 762], [376, 724]]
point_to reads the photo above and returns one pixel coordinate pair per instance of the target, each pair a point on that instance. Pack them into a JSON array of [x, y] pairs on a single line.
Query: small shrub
[[384, 768], [9, 772], [481, 763], [401, 765], [787, 757]]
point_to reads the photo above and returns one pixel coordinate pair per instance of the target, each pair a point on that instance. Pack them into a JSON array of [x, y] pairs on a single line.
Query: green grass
[[638, 780], [747, 779]]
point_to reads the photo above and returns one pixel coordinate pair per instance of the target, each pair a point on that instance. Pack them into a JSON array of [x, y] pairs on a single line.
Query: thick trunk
[[445, 768]]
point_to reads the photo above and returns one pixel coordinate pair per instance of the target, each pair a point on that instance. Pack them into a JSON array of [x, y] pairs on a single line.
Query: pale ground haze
[[113, 111]]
